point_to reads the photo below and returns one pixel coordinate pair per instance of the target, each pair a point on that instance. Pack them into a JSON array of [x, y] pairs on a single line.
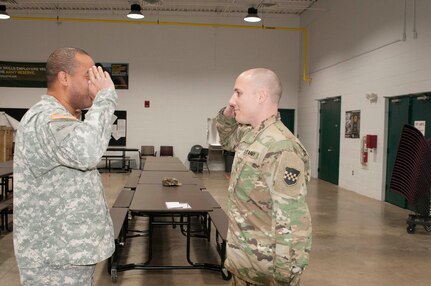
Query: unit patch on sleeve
[[291, 176]]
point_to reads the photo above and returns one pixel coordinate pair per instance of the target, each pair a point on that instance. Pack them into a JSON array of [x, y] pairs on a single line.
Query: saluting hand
[[98, 80], [229, 111]]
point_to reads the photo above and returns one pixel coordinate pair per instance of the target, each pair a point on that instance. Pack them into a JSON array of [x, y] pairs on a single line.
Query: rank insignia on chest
[[291, 176], [60, 116]]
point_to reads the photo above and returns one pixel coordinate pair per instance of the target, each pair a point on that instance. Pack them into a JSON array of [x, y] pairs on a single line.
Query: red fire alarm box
[[146, 103], [371, 141]]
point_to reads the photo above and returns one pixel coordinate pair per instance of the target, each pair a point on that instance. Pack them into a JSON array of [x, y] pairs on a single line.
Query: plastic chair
[[166, 151], [146, 151]]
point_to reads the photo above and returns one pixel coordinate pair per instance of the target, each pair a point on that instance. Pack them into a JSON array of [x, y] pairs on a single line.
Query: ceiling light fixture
[[135, 12], [3, 14], [252, 16]]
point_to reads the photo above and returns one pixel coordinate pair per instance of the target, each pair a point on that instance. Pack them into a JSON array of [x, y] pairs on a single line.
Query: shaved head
[[267, 79]]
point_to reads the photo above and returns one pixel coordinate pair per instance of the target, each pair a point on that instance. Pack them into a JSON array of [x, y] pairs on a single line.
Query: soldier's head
[[67, 77], [61, 60], [257, 93]]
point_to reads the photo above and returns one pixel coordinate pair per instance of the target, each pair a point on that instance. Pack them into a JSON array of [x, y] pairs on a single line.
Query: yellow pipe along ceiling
[[301, 30]]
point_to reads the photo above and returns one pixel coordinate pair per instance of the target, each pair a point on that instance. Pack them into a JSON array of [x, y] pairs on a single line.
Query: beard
[[81, 98]]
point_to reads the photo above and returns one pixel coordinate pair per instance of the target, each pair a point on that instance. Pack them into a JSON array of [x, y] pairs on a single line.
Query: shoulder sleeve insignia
[[291, 176], [61, 116]]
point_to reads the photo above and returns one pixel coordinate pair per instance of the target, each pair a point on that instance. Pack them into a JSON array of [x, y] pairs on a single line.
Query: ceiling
[[172, 7]]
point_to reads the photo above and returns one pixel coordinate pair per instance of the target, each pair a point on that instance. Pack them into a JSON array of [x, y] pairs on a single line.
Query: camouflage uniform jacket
[[60, 213], [269, 237]]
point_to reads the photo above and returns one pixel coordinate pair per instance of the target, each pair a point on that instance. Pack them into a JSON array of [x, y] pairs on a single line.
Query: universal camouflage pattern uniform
[[60, 213], [269, 237]]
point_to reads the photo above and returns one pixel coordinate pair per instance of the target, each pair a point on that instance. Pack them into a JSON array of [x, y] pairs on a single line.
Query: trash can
[[193, 157], [228, 160]]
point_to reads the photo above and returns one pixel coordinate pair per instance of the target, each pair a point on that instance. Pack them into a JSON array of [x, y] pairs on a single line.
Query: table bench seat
[[221, 222], [133, 179], [119, 218], [124, 199]]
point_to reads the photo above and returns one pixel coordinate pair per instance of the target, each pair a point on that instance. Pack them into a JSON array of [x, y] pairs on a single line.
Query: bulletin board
[[16, 113], [119, 128]]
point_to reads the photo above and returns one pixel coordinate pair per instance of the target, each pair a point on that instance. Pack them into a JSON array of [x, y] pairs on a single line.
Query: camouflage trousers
[[63, 275], [236, 281]]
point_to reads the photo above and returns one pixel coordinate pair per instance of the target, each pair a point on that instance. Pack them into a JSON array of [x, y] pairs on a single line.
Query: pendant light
[[3, 14], [135, 12], [252, 16]]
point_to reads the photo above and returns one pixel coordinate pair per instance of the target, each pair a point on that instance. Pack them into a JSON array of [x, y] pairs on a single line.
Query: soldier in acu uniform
[[62, 226], [269, 237]]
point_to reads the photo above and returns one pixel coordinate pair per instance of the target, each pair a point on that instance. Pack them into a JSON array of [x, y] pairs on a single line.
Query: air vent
[[152, 1], [269, 3]]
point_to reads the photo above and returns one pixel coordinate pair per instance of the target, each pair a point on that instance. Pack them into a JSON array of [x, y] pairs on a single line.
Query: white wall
[[356, 48], [186, 72]]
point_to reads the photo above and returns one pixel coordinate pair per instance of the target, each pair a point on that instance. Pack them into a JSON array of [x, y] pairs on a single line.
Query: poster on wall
[[20, 74], [119, 74], [353, 120]]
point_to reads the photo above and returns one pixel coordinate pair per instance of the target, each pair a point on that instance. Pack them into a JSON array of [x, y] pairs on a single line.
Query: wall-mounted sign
[[119, 74], [420, 125], [20, 74], [17, 74]]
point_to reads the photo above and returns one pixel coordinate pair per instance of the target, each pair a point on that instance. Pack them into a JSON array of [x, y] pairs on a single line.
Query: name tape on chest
[[250, 153]]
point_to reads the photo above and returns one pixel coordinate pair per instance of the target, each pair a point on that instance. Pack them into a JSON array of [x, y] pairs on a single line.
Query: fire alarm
[[146, 103]]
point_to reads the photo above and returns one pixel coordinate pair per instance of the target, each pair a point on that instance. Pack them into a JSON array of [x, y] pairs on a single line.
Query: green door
[[329, 139], [398, 116], [413, 110], [288, 118]]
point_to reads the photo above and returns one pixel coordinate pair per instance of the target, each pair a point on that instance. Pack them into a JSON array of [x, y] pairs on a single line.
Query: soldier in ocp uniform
[[62, 226], [269, 237]]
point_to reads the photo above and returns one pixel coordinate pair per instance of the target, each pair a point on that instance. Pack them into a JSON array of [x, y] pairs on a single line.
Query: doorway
[[288, 118], [409, 109], [329, 140]]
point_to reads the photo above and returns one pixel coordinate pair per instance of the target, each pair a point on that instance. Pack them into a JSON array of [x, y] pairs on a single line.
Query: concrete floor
[[356, 241]]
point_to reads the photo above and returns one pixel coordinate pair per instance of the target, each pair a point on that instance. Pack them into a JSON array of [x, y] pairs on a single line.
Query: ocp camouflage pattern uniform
[[269, 236], [60, 213]]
